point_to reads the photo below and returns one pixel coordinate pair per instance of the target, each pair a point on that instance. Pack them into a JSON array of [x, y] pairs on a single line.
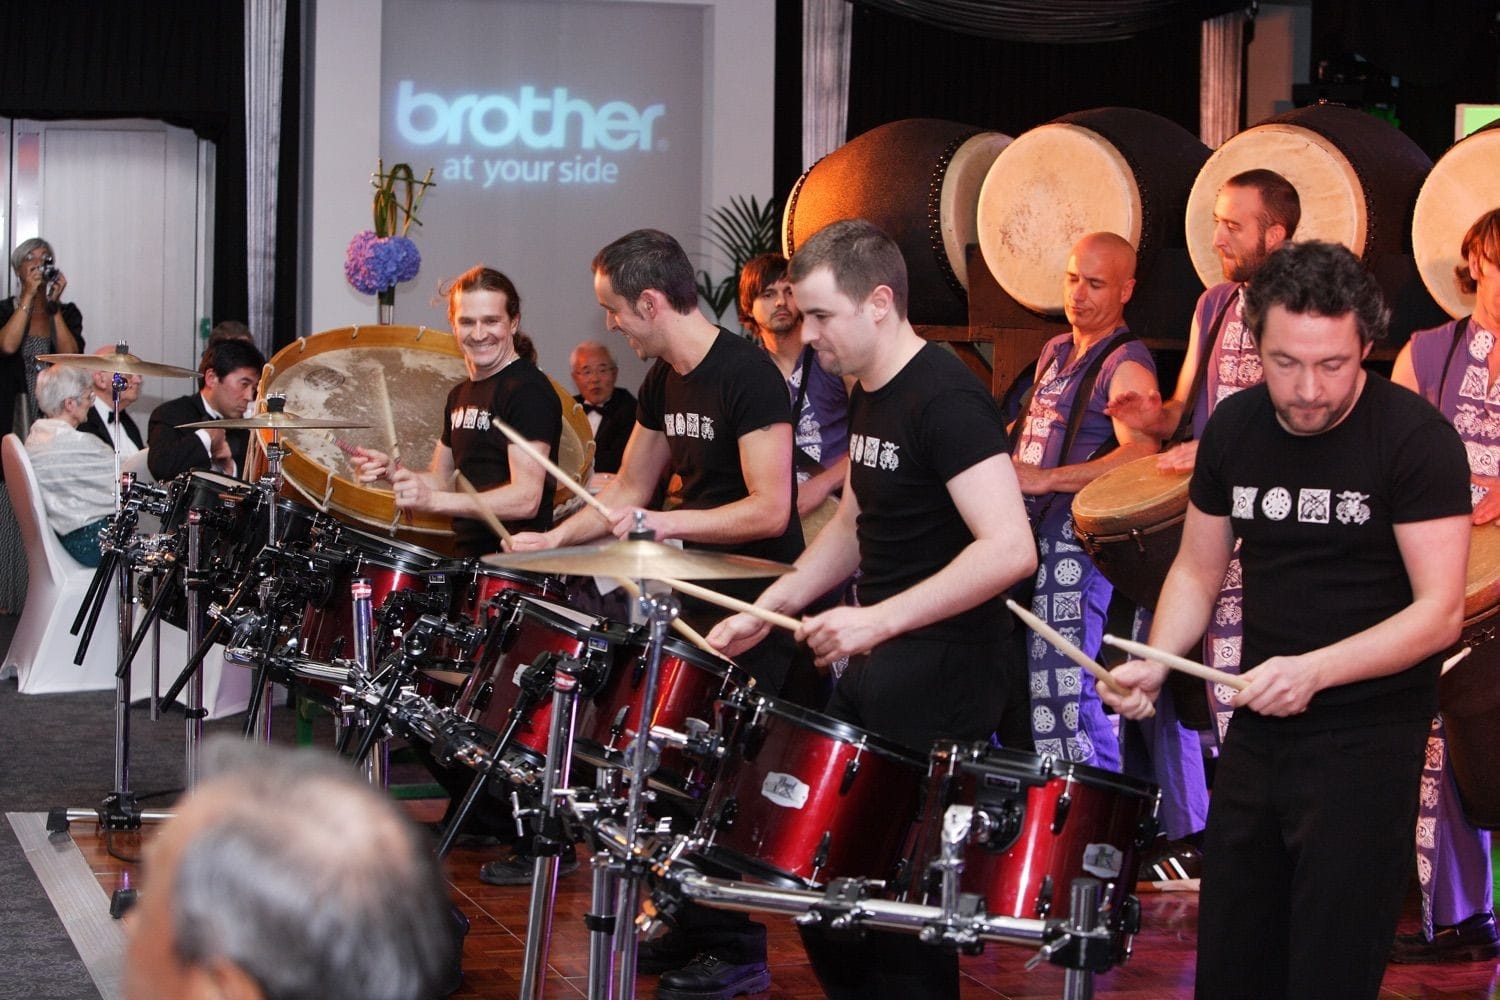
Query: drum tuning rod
[[1065, 647], [1177, 662]]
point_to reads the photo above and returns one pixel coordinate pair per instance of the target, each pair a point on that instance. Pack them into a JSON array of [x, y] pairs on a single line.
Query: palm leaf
[[738, 231]]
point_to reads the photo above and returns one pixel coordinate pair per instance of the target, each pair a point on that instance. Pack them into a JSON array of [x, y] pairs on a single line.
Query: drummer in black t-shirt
[[484, 309], [932, 517]]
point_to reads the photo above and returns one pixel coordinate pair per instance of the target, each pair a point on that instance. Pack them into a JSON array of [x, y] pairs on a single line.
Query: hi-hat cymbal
[[279, 421], [640, 560], [125, 364]]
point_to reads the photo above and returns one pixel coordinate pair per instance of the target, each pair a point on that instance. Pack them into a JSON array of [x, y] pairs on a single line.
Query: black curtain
[[1049, 22]]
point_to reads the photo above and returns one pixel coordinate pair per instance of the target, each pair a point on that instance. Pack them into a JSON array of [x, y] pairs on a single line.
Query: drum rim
[[843, 732], [605, 628], [1045, 766]]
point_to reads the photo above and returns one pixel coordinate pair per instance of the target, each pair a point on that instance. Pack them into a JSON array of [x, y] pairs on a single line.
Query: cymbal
[[277, 421], [125, 364], [640, 560]]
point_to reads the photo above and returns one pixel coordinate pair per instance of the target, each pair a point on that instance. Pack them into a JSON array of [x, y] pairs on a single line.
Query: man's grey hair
[[587, 346], [311, 882], [55, 385]]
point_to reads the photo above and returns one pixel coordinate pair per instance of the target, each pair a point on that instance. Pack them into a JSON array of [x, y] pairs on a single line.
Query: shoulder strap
[[801, 459], [1086, 389], [1205, 351], [1458, 335]]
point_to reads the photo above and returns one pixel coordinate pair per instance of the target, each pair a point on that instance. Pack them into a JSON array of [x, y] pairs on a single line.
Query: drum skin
[[1356, 177], [1469, 694], [1054, 822], [802, 798], [1463, 185], [329, 374], [918, 179], [1129, 521], [1118, 170]]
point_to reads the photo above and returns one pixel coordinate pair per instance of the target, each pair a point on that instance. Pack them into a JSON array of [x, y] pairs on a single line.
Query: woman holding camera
[[32, 323]]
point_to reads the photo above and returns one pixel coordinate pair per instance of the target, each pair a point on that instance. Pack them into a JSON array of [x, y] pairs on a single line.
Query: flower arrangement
[[378, 259]]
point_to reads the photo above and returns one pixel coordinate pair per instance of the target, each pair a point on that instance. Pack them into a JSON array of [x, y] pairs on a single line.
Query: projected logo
[[531, 120]]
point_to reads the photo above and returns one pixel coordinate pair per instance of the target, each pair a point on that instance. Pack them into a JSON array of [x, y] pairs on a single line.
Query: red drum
[[478, 586], [691, 682], [532, 628], [803, 798], [389, 564], [1048, 822]]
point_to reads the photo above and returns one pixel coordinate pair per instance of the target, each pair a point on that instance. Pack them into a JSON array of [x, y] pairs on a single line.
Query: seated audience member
[[100, 420], [231, 371], [610, 409], [282, 876], [74, 471]]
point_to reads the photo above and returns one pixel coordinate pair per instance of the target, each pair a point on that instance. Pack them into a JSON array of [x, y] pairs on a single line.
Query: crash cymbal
[[125, 364], [640, 560], [282, 421]]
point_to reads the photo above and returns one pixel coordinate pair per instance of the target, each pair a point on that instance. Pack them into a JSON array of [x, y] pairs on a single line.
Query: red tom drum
[[389, 564], [803, 798], [1044, 823]]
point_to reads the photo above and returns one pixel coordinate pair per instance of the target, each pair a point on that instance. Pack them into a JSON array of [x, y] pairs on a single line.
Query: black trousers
[[1306, 859]]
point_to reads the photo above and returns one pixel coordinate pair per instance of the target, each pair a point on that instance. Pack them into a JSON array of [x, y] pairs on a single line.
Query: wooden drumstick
[[552, 467], [489, 516], [1177, 662], [384, 396], [735, 604], [1065, 647], [1455, 659], [685, 630]]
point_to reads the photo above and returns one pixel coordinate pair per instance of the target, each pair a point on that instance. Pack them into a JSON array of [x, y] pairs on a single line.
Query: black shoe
[[1173, 860], [1473, 940], [710, 978], [666, 953], [518, 868]]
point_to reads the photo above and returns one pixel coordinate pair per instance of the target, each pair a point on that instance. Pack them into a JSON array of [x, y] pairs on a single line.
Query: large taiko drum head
[[1463, 185], [331, 375], [918, 180], [1117, 170], [1356, 178], [1469, 694]]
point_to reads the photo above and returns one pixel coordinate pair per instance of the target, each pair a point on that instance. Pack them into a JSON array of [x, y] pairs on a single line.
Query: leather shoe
[[518, 868], [1473, 940], [710, 978]]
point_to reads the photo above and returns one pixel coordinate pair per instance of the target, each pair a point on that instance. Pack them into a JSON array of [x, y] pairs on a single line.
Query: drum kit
[[687, 768]]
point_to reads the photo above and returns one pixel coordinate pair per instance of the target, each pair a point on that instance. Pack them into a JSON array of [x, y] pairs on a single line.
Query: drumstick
[[488, 515], [1065, 647], [390, 420], [1456, 659], [734, 604], [1177, 662], [552, 467], [685, 630]]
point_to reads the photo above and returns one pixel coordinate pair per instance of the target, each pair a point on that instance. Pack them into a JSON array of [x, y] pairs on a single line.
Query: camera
[[49, 270]]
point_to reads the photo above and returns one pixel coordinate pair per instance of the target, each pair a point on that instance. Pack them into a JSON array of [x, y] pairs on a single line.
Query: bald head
[[1099, 280]]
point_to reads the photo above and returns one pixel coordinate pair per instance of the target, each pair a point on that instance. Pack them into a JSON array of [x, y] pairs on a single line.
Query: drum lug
[[851, 771], [1139, 539], [1060, 812], [1044, 897], [728, 813], [820, 856]]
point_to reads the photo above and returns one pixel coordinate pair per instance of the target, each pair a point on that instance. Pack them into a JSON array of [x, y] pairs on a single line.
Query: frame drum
[[330, 375], [1463, 185], [1356, 178], [1117, 170], [917, 179], [1469, 694], [1129, 521]]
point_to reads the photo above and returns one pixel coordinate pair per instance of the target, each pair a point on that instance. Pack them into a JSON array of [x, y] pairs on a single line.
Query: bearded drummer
[[1349, 498], [932, 516], [1456, 367], [484, 310]]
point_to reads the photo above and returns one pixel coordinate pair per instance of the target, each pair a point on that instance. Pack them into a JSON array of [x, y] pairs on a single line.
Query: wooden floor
[[1161, 969]]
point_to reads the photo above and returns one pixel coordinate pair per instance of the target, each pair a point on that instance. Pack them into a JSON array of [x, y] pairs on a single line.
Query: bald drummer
[[484, 310]]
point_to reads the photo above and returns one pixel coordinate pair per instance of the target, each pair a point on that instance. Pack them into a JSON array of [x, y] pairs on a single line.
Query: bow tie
[[591, 408], [109, 416]]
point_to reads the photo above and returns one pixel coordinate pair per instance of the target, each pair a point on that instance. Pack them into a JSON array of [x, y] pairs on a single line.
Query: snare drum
[[803, 798], [532, 628], [690, 682], [389, 564], [1129, 521], [1046, 823]]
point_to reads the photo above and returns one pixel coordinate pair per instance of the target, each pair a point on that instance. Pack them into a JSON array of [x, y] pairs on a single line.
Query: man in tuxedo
[[100, 420], [230, 371], [611, 410]]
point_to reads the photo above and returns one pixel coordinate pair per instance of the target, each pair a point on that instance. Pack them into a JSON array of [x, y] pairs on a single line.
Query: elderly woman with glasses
[[75, 471], [34, 321]]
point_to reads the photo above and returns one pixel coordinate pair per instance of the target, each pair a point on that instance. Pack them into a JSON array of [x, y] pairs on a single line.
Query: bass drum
[[1463, 185], [1129, 521], [1356, 178], [1117, 170], [330, 375], [918, 180], [1469, 694]]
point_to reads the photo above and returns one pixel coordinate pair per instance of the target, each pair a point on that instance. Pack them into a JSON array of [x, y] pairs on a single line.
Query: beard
[[1242, 269]]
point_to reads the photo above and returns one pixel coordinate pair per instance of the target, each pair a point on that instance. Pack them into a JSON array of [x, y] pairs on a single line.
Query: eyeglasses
[[593, 370]]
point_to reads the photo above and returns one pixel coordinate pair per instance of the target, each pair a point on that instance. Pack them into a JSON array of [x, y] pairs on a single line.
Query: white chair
[[42, 650]]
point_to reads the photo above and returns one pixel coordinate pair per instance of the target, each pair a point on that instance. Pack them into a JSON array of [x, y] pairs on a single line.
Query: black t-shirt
[[906, 440], [734, 390], [1315, 516], [523, 397]]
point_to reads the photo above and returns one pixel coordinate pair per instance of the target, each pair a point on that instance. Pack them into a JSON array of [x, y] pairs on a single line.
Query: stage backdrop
[[553, 128]]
